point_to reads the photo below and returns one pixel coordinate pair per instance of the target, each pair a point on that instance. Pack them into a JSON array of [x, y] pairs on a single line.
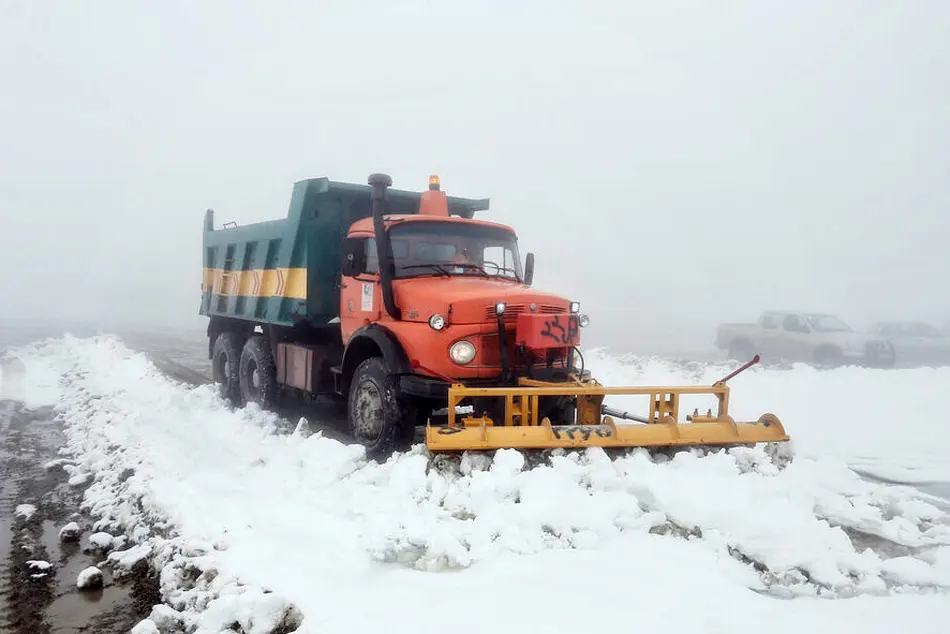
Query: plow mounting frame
[[595, 424]]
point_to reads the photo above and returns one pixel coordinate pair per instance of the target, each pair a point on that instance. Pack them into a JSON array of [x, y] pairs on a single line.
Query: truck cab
[[452, 279], [451, 300]]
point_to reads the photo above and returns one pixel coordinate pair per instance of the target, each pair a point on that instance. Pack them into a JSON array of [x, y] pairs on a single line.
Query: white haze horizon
[[671, 166]]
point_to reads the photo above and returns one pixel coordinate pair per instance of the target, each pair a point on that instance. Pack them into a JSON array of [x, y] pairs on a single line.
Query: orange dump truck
[[403, 304]]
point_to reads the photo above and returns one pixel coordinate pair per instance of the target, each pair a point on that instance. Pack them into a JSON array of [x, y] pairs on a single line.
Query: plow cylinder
[[616, 413]]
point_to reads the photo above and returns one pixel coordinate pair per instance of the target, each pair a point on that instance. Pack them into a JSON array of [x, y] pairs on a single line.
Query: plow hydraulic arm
[[616, 413]]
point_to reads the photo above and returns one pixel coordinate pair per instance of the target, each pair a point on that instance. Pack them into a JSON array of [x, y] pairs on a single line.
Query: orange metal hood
[[472, 299]]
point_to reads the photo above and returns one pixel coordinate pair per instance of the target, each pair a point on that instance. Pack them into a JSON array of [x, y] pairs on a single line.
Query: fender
[[393, 354]]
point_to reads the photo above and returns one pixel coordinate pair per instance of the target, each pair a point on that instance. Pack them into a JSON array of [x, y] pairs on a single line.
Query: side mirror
[[529, 269], [354, 257]]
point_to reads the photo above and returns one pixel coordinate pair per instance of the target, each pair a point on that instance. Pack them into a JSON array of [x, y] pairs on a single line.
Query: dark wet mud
[[38, 571]]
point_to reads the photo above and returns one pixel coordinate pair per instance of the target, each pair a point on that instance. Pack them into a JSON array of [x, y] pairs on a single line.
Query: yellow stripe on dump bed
[[281, 282]]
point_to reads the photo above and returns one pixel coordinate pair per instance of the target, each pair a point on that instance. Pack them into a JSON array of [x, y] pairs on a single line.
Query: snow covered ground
[[255, 523]]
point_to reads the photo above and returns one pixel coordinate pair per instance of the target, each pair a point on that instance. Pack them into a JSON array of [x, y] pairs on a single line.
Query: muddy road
[[40, 568]]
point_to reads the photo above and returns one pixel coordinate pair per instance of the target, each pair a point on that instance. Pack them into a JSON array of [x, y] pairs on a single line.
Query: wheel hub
[[223, 368], [253, 376], [369, 408]]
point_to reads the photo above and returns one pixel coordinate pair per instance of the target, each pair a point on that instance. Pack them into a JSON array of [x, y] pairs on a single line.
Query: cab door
[[360, 294], [795, 344]]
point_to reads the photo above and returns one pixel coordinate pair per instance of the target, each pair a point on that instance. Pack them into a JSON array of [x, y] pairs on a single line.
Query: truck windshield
[[454, 248], [827, 323]]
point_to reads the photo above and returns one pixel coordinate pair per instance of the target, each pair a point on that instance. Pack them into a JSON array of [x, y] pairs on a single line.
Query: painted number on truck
[[554, 329], [582, 431], [366, 304]]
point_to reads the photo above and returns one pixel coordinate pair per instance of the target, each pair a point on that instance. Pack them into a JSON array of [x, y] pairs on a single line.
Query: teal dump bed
[[287, 271]]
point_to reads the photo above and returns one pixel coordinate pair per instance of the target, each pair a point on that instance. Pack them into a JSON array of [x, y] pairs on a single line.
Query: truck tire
[[258, 374], [378, 418], [225, 362], [560, 410]]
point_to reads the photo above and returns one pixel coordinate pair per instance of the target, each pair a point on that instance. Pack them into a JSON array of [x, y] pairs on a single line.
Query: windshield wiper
[[477, 267], [433, 265]]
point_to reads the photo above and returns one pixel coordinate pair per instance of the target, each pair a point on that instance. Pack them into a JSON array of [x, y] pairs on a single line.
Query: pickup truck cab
[[818, 338]]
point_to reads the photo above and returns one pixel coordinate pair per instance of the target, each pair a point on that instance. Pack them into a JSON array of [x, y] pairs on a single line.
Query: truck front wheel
[[377, 417], [560, 410]]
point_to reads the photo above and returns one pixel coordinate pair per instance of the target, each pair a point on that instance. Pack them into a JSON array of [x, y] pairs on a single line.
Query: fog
[[672, 165]]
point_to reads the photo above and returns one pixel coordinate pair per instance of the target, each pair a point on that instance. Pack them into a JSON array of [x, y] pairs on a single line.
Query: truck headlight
[[462, 352], [437, 322], [500, 308], [575, 307], [583, 320]]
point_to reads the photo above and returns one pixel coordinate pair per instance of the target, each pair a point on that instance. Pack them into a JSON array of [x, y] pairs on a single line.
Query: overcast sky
[[672, 164]]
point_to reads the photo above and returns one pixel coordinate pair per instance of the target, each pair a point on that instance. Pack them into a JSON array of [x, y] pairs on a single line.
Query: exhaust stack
[[379, 183]]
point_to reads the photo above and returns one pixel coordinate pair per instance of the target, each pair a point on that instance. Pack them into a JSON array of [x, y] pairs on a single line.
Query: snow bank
[[268, 529]]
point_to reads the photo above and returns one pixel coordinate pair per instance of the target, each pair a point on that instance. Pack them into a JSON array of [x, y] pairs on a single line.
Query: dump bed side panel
[[258, 272]]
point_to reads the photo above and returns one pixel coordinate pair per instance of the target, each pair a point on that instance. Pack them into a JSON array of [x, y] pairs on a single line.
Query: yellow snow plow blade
[[595, 425]]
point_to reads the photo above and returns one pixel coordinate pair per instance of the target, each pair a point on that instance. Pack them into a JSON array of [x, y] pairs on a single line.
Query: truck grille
[[513, 310], [489, 355]]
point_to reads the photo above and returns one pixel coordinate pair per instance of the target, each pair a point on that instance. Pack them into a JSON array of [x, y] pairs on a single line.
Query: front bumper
[[424, 386], [438, 389]]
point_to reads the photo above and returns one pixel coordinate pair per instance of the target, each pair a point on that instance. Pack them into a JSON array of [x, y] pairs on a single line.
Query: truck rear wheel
[[226, 356], [377, 416], [258, 374]]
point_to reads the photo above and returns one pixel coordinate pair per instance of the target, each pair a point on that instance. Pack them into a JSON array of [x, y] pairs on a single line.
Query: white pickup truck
[[800, 336]]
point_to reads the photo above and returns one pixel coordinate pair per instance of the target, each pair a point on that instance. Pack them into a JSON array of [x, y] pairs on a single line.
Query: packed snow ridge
[[255, 525]]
